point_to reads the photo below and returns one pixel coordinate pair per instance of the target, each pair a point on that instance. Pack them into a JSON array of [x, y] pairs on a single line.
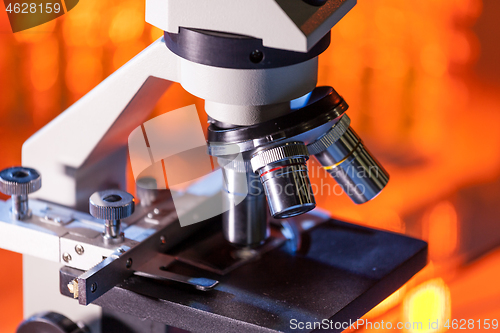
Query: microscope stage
[[341, 272]]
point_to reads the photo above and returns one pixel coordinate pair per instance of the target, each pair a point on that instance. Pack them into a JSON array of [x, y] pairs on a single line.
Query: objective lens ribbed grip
[[276, 154], [330, 137]]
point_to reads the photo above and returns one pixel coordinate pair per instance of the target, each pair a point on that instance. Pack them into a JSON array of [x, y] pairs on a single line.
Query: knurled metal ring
[[279, 153], [111, 205], [19, 181], [330, 137], [238, 165]]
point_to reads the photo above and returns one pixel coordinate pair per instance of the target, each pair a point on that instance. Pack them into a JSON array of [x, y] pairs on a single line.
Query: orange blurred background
[[422, 79]]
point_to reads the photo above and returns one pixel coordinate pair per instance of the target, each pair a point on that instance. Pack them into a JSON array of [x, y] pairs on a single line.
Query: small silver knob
[[111, 206], [18, 182]]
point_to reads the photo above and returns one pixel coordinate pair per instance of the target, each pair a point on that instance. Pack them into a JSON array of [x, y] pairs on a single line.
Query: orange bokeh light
[[427, 303], [441, 220], [406, 68]]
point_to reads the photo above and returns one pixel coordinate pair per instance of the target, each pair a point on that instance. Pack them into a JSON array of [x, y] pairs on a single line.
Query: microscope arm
[[84, 148]]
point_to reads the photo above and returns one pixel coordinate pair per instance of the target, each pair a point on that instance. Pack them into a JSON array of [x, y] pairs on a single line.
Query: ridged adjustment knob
[[19, 181], [111, 205]]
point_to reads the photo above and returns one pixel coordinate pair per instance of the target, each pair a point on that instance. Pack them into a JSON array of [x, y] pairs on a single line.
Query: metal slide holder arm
[[84, 148]]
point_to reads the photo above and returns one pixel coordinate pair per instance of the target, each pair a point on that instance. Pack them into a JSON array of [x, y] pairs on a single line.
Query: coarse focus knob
[[19, 181], [111, 205], [50, 322]]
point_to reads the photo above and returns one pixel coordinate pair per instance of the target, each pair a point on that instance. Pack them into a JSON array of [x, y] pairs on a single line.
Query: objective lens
[[283, 173], [347, 160], [244, 223]]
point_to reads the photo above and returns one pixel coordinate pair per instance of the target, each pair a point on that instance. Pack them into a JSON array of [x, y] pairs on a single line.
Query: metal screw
[[18, 182], [256, 56], [156, 211], [129, 263], [150, 215], [111, 206], [73, 287], [121, 250], [93, 287], [79, 249], [66, 257]]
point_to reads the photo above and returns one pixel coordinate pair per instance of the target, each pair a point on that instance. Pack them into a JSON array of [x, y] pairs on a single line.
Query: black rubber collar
[[235, 51]]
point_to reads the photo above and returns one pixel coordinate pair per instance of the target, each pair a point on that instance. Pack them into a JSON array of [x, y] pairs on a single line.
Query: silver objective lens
[[342, 153], [244, 222], [283, 173]]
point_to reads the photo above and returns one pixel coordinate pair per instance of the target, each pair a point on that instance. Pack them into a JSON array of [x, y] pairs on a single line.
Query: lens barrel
[[283, 173], [244, 222], [344, 156]]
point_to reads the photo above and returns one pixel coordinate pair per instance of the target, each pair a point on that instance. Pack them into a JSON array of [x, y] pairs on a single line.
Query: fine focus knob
[[19, 181], [111, 205], [50, 322]]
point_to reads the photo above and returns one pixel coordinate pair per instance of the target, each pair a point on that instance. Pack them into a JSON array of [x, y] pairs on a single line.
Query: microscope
[[251, 254]]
